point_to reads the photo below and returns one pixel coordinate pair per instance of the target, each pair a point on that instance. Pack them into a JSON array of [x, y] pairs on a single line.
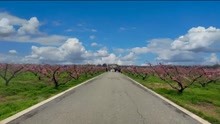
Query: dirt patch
[[207, 108], [2, 99], [158, 86]]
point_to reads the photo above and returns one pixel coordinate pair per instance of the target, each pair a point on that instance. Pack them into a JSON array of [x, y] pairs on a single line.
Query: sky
[[96, 32]]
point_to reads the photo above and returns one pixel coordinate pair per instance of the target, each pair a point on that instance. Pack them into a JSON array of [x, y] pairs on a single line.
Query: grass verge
[[203, 101], [26, 90]]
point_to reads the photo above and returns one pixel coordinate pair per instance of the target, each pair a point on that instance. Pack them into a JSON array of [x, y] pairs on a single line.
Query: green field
[[203, 101], [26, 90]]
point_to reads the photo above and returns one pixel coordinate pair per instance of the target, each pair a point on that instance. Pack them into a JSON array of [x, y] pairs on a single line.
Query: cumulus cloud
[[129, 57], [101, 53], [12, 51], [13, 19], [154, 46], [198, 45], [49, 39], [11, 58], [178, 56], [109, 59], [94, 44], [140, 50], [72, 50], [164, 52], [191, 48], [103, 56], [25, 31], [199, 39], [6, 28], [120, 50], [212, 59], [43, 39], [30, 27]]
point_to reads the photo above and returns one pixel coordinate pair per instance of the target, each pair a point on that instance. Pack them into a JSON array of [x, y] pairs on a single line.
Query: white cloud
[[6, 28], [94, 44], [30, 27], [92, 37], [130, 57], [140, 50], [120, 50], [110, 59], [101, 53], [50, 39], [199, 39], [11, 58], [103, 56], [72, 50], [13, 19], [192, 47], [25, 31], [212, 59], [178, 56], [126, 28], [162, 49], [43, 39], [12, 51], [154, 46]]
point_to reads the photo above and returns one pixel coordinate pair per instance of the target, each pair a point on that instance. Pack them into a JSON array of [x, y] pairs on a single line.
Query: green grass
[[26, 90], [203, 101]]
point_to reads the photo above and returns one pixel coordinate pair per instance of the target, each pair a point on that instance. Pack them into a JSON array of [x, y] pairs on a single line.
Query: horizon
[[111, 32]]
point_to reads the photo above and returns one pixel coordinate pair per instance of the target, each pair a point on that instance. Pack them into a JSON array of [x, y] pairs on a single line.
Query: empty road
[[110, 99]]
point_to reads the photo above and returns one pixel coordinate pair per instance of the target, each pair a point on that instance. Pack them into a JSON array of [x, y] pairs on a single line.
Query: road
[[110, 99]]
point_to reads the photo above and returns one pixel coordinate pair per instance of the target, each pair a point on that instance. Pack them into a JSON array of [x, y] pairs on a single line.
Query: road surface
[[110, 99]]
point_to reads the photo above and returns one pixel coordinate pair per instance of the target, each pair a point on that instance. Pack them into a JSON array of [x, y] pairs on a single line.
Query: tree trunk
[[54, 79], [55, 82], [203, 84], [6, 82]]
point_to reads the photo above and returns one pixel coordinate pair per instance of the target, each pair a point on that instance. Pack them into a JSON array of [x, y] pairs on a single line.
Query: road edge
[[38, 105], [194, 116]]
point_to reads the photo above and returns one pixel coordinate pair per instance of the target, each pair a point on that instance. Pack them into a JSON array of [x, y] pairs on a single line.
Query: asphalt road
[[110, 99]]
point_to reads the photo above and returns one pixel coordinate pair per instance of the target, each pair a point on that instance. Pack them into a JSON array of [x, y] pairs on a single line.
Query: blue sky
[[110, 32]]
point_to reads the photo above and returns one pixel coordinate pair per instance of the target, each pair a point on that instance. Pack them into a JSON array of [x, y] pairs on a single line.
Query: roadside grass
[[203, 101], [26, 90]]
